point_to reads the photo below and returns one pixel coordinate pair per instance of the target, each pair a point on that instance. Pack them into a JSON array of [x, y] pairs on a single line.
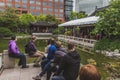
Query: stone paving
[[20, 74]]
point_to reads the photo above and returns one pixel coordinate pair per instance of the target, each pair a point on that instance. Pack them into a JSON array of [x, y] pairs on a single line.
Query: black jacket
[[70, 65], [30, 47]]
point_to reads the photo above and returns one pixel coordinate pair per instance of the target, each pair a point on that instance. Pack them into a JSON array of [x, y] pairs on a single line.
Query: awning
[[82, 21]]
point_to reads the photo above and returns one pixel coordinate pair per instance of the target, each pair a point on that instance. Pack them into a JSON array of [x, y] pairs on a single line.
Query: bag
[[27, 47]]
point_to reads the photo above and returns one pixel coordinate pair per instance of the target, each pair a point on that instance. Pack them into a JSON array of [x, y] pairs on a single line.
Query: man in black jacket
[[70, 64], [32, 51]]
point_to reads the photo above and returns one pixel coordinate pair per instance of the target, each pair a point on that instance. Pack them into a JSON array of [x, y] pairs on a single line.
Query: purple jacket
[[12, 47]]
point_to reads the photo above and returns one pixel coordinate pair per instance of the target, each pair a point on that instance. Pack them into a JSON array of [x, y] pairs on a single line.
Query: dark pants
[[20, 56]]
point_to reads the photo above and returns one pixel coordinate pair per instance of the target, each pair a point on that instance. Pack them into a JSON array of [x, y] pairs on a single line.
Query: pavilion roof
[[82, 21]]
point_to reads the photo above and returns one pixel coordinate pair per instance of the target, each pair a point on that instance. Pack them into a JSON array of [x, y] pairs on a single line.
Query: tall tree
[[75, 15], [9, 19], [109, 22], [26, 19]]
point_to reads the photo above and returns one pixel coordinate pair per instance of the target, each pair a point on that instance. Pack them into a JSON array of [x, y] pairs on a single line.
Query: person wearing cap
[[32, 51], [15, 53]]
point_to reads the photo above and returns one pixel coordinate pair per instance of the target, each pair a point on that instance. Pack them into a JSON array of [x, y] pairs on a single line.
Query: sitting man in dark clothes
[[70, 64], [15, 53], [32, 51]]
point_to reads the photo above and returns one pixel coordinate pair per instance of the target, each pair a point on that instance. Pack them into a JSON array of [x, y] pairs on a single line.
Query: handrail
[[79, 41]]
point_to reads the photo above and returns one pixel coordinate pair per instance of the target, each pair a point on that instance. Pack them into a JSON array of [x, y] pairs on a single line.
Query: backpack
[[27, 47]]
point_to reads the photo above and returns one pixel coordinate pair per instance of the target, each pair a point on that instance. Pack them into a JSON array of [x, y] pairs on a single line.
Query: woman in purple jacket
[[15, 53]]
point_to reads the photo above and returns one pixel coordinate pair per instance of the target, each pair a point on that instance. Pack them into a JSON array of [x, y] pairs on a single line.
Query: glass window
[[32, 12], [44, 9], [9, 4], [61, 15], [17, 5], [24, 1], [38, 3], [68, 3], [17, 0], [24, 6], [9, 0], [2, 4], [56, 5], [37, 13], [38, 7], [50, 9], [61, 10], [56, 0], [32, 7], [61, 0], [56, 10], [32, 1], [50, 4], [50, 0], [61, 6], [56, 15], [45, 4]]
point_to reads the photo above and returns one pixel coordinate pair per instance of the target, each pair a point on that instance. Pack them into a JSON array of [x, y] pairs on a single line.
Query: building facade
[[89, 6], [68, 8], [36, 7]]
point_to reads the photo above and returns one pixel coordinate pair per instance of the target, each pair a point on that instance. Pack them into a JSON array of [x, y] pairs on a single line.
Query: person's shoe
[[25, 66], [19, 64], [37, 77], [36, 65]]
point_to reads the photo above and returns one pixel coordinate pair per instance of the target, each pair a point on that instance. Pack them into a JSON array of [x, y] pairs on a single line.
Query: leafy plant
[[5, 32]]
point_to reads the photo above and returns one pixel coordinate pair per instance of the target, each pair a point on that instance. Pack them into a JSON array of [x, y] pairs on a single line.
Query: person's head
[[58, 44], [89, 72], [52, 41], [48, 41], [34, 38], [14, 38], [71, 46]]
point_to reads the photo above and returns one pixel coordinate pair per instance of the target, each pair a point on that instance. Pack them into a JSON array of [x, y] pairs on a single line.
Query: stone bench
[[9, 62]]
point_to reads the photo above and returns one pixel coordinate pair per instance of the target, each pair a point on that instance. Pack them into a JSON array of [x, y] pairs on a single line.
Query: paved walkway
[[20, 74]]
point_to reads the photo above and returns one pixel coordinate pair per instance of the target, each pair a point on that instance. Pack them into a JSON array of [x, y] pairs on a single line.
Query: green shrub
[[107, 44], [102, 44], [5, 32]]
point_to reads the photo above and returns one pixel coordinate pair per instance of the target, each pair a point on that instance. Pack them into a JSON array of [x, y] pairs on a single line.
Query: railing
[[80, 42], [0, 60], [43, 35]]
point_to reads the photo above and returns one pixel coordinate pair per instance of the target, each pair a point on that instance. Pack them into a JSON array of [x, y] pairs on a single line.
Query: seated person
[[89, 72], [15, 53], [32, 51]]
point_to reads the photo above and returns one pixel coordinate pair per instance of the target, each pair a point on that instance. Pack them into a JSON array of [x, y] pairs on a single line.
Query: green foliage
[[61, 30], [5, 32], [41, 17], [107, 44], [75, 15], [9, 19], [109, 22], [26, 19], [56, 31], [68, 32], [102, 44], [52, 18]]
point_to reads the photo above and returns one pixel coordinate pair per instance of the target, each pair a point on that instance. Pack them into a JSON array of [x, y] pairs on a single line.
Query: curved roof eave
[[82, 21]]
